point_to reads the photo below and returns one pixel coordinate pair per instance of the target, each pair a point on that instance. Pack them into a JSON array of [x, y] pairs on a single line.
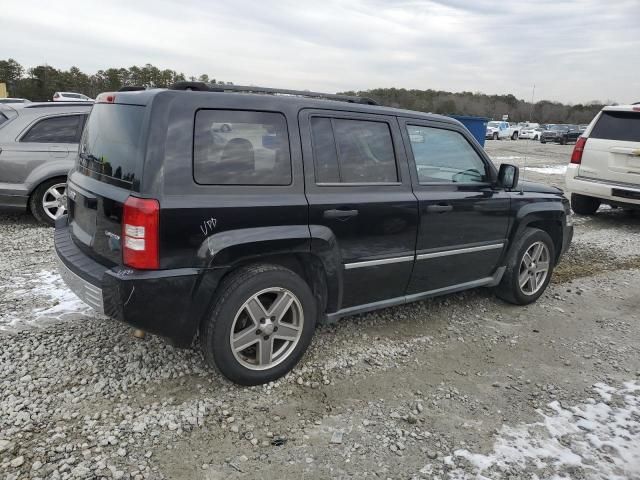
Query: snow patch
[[48, 297], [549, 169], [595, 440], [508, 157]]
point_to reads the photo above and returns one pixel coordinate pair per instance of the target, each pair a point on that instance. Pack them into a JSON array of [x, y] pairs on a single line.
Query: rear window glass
[[241, 148], [63, 129], [623, 126], [111, 145]]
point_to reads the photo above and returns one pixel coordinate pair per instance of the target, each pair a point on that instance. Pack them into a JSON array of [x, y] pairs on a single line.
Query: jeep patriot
[[242, 217]]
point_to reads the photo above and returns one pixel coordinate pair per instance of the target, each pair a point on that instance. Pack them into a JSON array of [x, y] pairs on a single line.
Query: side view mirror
[[508, 176]]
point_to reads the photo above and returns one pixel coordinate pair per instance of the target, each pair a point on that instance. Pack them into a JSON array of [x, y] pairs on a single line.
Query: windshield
[[111, 145], [559, 128]]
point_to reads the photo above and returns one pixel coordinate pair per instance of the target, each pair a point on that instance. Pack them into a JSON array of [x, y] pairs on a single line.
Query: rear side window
[[444, 156], [241, 148], [111, 145], [63, 129], [622, 126], [352, 151]]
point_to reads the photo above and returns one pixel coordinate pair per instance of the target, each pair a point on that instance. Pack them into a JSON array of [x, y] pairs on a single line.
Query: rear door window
[[445, 156], [353, 151], [622, 126], [241, 148], [61, 129], [111, 146]]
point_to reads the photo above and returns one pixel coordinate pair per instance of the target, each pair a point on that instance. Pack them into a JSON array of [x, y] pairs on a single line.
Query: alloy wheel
[[266, 328], [54, 201], [534, 268]]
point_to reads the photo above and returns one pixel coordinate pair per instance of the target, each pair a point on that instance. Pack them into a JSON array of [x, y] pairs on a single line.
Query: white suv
[[605, 164], [70, 97]]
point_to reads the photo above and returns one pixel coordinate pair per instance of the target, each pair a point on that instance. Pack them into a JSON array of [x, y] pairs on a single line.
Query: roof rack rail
[[207, 87], [56, 104]]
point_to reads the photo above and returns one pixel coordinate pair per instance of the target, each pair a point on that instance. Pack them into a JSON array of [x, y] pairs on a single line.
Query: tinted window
[[353, 151], [445, 156], [63, 129], [111, 145], [241, 148], [324, 151], [623, 126]]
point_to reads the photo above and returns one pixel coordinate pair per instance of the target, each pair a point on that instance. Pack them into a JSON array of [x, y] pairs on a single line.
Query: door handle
[[440, 208], [340, 213]]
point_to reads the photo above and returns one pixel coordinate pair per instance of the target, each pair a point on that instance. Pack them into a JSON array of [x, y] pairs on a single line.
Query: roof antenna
[[526, 145]]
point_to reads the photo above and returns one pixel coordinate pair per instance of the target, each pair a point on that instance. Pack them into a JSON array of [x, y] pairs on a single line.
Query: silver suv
[[38, 146]]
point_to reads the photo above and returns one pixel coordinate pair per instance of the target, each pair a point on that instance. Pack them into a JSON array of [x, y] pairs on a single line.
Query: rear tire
[[48, 201], [514, 136], [563, 141], [584, 205], [525, 278], [243, 326]]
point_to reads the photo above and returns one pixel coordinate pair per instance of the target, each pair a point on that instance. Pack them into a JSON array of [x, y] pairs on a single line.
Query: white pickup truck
[[497, 130]]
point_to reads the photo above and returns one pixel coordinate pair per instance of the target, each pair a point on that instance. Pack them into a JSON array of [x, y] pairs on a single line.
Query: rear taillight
[[140, 233], [576, 156]]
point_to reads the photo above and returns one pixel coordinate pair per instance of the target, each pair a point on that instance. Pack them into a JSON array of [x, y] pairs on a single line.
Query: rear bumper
[[609, 192], [169, 303]]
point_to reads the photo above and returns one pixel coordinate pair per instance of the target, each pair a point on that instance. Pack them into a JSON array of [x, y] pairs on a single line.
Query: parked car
[[605, 164], [307, 210], [13, 100], [531, 133], [38, 146], [70, 97], [499, 130], [561, 134]]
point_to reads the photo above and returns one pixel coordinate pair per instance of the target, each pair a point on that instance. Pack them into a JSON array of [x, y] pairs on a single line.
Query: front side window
[[241, 148], [353, 151], [445, 156], [63, 129]]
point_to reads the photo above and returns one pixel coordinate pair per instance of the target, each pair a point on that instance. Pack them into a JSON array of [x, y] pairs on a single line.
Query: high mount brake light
[[576, 156], [106, 97], [140, 248]]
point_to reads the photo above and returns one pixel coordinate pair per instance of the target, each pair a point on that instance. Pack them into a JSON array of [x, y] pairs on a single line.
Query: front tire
[[542, 140], [48, 201], [584, 205], [495, 136], [263, 319], [529, 268]]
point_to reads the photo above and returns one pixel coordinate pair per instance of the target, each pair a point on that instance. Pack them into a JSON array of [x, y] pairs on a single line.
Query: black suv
[[245, 219], [561, 134]]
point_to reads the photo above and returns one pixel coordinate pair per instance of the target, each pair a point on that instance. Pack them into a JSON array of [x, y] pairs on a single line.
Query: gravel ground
[[459, 387]]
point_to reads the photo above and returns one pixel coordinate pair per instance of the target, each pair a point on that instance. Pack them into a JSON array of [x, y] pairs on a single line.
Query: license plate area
[[83, 210]]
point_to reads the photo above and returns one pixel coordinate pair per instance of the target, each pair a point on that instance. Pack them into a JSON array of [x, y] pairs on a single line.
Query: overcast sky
[[572, 50]]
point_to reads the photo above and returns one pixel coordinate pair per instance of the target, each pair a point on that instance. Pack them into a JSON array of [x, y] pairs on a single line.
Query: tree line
[[39, 84], [482, 105]]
